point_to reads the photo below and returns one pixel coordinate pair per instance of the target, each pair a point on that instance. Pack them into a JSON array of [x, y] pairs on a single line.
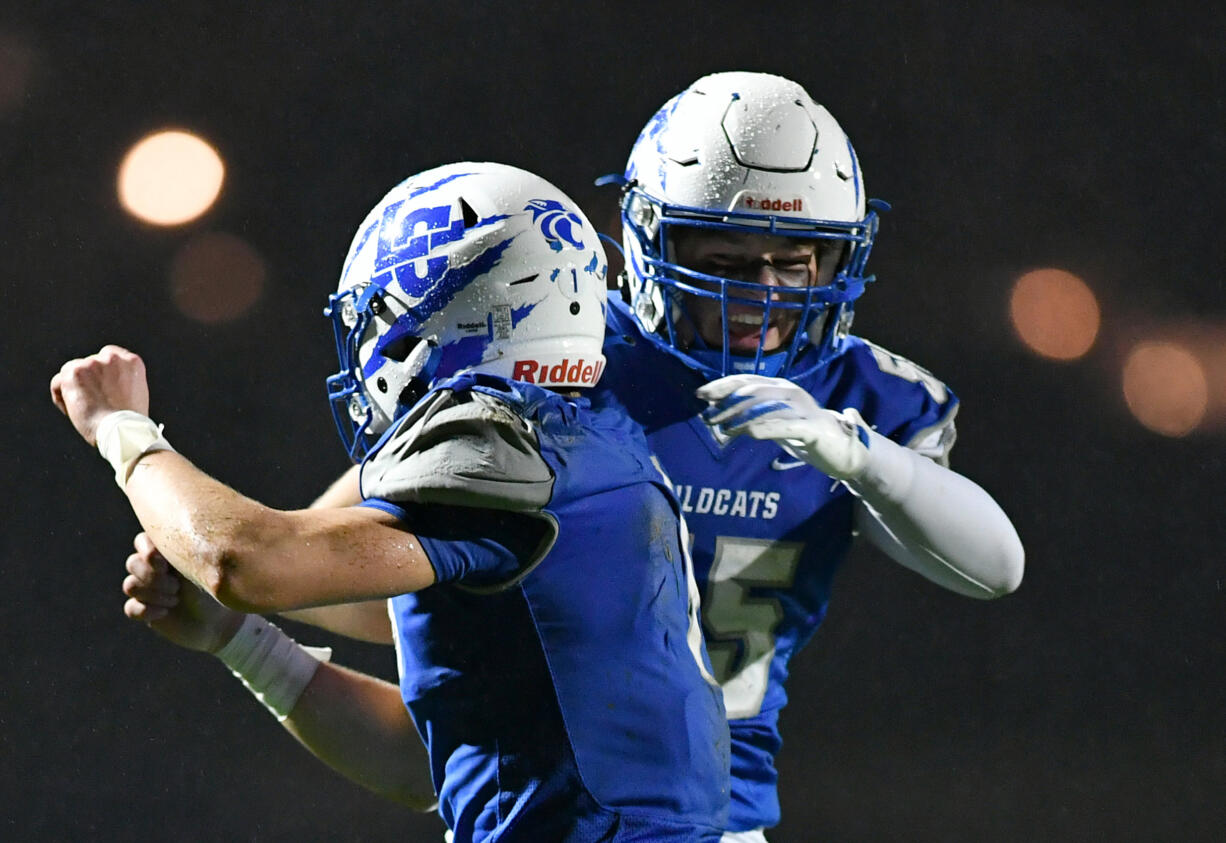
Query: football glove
[[835, 443]]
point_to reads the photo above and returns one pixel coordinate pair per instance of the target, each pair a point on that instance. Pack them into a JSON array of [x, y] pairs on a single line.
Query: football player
[[746, 232], [542, 599]]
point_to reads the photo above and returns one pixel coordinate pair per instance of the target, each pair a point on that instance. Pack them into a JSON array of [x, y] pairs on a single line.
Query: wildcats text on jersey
[[742, 503]]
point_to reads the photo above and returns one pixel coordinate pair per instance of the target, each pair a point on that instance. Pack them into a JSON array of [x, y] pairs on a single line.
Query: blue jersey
[[556, 669], [769, 531]]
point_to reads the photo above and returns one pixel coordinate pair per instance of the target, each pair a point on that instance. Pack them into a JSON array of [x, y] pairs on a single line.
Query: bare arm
[[353, 722], [366, 621], [344, 491], [358, 725], [257, 559], [249, 556]]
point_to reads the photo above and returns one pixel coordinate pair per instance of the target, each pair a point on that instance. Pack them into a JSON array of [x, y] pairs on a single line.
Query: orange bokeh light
[[1166, 387], [170, 178], [216, 277], [1054, 313], [16, 70]]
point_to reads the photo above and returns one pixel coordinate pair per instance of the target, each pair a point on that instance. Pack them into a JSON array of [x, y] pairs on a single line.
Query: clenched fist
[[89, 389]]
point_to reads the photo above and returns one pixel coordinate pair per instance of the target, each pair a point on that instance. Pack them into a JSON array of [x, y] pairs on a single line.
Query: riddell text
[[565, 373], [775, 204]]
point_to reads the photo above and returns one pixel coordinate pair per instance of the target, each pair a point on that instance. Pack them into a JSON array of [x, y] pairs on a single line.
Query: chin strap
[[769, 366]]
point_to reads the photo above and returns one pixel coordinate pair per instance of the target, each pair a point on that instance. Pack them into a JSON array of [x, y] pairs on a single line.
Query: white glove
[[773, 408]]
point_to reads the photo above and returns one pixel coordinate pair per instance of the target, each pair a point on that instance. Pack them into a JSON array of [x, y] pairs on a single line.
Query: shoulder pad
[[900, 399], [464, 448], [937, 440], [900, 367]]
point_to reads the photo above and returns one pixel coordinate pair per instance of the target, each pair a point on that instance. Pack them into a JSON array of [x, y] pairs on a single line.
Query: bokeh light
[[16, 69], [216, 277], [170, 178], [1054, 313], [1166, 387]]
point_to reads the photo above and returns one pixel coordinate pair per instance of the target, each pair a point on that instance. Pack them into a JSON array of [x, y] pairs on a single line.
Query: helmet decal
[[400, 246], [556, 222], [467, 267], [429, 188], [435, 296]]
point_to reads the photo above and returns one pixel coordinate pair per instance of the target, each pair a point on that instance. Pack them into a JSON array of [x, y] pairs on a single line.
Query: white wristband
[[271, 664], [124, 437]]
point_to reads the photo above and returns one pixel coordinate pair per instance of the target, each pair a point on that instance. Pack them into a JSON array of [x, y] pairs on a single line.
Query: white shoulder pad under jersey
[[460, 448], [937, 439]]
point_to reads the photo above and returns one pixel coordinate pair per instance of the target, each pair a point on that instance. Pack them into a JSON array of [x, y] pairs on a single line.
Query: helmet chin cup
[[713, 360]]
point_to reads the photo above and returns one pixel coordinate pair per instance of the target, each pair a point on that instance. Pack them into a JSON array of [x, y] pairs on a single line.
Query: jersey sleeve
[[462, 470], [937, 440], [905, 402], [480, 550]]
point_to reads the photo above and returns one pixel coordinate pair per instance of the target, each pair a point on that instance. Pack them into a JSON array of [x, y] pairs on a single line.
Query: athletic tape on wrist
[[124, 437], [274, 667]]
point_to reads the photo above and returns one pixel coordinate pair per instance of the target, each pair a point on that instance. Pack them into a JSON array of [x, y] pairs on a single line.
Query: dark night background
[[1090, 705]]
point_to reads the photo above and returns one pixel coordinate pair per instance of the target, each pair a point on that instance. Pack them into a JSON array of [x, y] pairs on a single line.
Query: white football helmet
[[470, 266], [745, 152]]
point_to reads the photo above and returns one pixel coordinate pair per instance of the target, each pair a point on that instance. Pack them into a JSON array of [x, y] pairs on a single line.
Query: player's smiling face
[[777, 263]]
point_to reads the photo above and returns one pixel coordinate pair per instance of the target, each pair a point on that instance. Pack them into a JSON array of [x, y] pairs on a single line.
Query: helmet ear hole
[[469, 215], [412, 392], [400, 348]]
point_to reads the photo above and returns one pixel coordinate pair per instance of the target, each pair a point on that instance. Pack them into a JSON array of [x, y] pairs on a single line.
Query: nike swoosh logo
[[781, 464]]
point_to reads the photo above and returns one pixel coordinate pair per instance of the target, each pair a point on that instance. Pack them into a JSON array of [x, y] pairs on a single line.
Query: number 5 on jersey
[[741, 627]]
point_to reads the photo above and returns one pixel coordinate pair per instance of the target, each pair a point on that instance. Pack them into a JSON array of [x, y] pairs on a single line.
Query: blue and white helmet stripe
[[471, 266]]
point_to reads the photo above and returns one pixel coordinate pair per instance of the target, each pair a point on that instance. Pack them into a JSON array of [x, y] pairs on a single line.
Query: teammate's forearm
[[937, 522]]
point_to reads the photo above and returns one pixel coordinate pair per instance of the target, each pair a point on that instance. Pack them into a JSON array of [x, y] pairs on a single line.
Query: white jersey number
[[741, 642], [901, 367]]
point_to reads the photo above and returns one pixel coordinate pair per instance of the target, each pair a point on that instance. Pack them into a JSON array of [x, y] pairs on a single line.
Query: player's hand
[[89, 389], [777, 409], [171, 605]]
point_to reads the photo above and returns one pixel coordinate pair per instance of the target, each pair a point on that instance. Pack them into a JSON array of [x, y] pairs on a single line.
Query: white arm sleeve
[[936, 522]]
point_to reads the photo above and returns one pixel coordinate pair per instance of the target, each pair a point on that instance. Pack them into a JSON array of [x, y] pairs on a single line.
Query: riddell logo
[[579, 373], [774, 204]]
